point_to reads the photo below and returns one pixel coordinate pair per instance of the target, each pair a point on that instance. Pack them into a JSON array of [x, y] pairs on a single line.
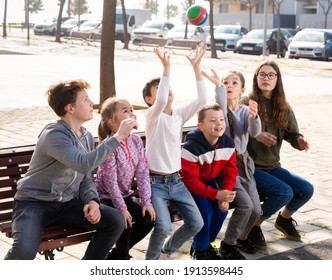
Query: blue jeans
[[165, 189], [31, 217], [213, 219], [281, 188]]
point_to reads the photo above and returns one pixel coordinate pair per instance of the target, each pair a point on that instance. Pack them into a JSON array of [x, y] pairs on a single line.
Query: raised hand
[[214, 78]]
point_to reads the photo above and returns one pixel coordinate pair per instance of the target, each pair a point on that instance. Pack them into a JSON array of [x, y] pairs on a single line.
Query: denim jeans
[[165, 189], [213, 219], [31, 217], [281, 188]]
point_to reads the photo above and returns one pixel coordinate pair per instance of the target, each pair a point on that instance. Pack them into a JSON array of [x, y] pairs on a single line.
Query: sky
[[15, 12]]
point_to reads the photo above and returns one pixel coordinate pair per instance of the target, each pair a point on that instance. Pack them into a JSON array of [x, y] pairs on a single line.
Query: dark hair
[[107, 112], [242, 80], [63, 93], [147, 88], [211, 106], [280, 105]]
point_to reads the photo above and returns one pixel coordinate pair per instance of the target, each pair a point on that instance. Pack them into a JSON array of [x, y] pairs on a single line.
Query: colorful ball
[[197, 15]]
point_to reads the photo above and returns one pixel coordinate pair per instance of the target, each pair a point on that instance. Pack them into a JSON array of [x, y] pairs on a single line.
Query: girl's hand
[[150, 210], [253, 110], [214, 78], [125, 128], [267, 138], [128, 219], [303, 143]]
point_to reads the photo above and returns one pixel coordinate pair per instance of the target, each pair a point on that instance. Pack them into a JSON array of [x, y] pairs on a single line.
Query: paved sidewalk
[[21, 126]]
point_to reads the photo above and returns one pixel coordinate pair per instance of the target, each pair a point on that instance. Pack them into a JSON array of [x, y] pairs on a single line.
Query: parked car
[[88, 26], [193, 33], [226, 37], [151, 28], [68, 25], [253, 42], [48, 26], [288, 36], [311, 43]]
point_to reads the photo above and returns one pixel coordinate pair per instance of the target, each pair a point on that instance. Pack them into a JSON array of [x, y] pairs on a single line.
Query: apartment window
[[243, 7]]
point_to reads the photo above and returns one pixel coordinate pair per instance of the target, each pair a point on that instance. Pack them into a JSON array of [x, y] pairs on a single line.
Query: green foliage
[[78, 7]]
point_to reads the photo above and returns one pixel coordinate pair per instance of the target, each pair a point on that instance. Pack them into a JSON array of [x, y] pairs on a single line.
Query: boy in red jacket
[[209, 172]]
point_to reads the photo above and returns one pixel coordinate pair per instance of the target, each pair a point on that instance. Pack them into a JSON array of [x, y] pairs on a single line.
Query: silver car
[[226, 37]]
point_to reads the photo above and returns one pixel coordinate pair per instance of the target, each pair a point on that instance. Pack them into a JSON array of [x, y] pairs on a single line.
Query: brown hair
[[280, 105], [147, 88], [107, 112], [63, 93], [211, 106], [242, 80]]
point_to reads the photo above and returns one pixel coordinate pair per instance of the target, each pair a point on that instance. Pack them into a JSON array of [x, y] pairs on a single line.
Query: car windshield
[[151, 24], [90, 23], [227, 29], [118, 18], [258, 34], [181, 28], [309, 37], [70, 22]]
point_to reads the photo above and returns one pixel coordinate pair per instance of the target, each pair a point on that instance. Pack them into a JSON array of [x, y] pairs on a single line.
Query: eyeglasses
[[270, 76]]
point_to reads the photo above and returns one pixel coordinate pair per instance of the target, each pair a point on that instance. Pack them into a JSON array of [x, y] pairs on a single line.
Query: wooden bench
[[183, 44], [151, 41], [14, 163], [79, 36]]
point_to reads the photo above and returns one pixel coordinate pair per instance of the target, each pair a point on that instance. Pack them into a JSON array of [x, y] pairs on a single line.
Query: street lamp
[[265, 26]]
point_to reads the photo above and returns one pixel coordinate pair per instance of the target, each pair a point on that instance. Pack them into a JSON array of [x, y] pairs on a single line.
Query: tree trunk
[[107, 75], [125, 29], [58, 24], [4, 25], [213, 44]]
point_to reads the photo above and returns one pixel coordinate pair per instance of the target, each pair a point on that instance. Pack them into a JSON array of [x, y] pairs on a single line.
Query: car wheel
[[283, 53], [267, 51], [326, 56]]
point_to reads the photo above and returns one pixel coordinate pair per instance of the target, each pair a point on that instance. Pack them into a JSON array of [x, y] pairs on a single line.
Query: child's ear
[[200, 126], [243, 90], [69, 108]]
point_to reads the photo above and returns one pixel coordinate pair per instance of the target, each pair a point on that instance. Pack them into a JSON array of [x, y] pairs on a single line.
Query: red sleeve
[[229, 172], [190, 176]]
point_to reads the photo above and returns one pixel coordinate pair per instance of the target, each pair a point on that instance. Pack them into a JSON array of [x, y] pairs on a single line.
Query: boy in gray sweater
[[58, 188]]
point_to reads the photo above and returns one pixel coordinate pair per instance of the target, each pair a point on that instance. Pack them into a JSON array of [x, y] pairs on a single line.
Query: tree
[[78, 7], [107, 75], [58, 24], [213, 44], [171, 11], [185, 7], [152, 6], [4, 24], [35, 6], [125, 29], [278, 4], [326, 7]]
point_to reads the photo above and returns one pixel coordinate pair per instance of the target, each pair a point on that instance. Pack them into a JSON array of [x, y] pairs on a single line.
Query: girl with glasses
[[281, 188]]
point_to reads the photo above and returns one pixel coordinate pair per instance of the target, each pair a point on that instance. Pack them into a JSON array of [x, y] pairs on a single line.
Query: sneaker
[[229, 252], [170, 256], [200, 255], [213, 253], [246, 246], [287, 227], [257, 238]]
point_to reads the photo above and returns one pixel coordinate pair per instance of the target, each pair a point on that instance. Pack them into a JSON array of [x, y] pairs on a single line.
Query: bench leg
[[48, 255]]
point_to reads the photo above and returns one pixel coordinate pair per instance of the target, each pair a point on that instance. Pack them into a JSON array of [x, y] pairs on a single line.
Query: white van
[[135, 18]]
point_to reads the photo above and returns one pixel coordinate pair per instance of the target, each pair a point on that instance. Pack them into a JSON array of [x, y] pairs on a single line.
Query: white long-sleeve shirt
[[164, 132]]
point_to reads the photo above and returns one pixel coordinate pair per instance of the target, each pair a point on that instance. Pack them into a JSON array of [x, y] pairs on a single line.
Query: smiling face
[[267, 79], [212, 125]]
